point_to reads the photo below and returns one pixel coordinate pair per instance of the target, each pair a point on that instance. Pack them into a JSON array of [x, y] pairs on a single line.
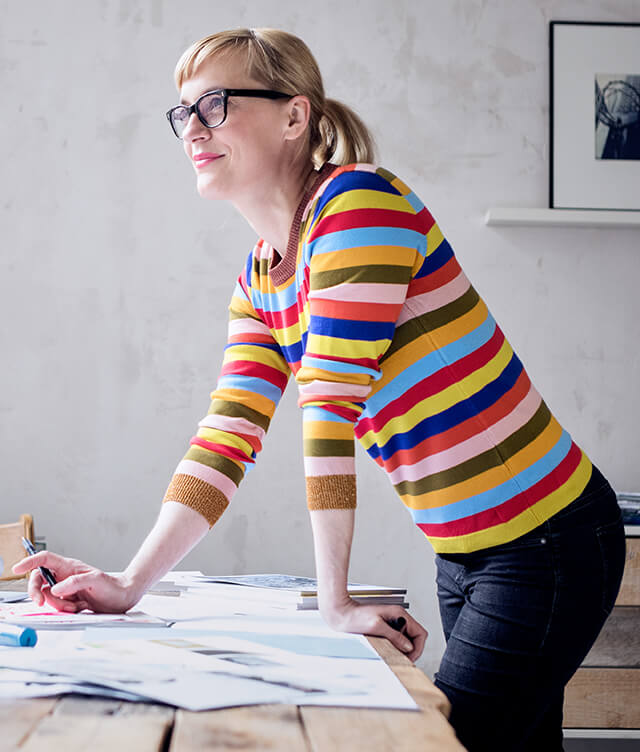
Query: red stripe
[[355, 218], [255, 370], [223, 449], [465, 430], [513, 506], [436, 279], [355, 311], [445, 377]]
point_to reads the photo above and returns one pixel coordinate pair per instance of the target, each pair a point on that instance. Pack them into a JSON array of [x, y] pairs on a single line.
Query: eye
[[211, 106], [180, 114]]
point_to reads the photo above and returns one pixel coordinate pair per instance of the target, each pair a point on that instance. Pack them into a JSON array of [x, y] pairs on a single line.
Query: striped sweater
[[389, 343]]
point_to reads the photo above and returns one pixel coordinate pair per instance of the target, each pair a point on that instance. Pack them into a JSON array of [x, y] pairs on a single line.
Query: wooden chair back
[[11, 548]]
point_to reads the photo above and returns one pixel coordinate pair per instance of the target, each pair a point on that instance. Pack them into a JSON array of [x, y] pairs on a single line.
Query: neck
[[272, 204]]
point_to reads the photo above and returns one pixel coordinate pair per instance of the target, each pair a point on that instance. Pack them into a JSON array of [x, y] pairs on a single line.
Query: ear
[[298, 113]]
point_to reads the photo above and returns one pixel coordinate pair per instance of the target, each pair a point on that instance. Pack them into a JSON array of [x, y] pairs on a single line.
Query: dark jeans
[[519, 619]]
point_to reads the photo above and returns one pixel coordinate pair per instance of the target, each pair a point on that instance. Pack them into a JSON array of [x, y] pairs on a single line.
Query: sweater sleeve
[[363, 249], [252, 380]]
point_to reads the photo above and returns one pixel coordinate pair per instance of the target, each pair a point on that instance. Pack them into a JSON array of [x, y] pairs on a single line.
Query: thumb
[[73, 584], [397, 639]]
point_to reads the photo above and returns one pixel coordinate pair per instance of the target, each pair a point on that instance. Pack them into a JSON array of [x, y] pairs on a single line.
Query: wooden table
[[74, 723]]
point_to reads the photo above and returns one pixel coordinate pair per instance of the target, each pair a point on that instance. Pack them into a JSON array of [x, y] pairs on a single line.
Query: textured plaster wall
[[115, 275]]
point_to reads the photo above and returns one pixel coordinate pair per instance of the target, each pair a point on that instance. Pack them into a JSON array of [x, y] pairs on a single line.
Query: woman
[[353, 289]]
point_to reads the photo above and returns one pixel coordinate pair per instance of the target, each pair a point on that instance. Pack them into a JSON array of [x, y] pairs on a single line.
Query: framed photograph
[[595, 116]]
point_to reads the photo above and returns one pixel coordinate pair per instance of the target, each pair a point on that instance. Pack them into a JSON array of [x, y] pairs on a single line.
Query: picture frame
[[594, 116]]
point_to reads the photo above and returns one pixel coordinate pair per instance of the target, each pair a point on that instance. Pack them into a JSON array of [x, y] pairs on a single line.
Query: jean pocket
[[612, 550]]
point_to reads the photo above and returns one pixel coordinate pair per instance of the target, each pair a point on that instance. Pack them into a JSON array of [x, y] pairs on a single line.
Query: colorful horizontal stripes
[[389, 343]]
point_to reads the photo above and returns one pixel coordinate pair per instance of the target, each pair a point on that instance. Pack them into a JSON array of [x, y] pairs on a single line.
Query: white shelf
[[511, 217], [584, 733]]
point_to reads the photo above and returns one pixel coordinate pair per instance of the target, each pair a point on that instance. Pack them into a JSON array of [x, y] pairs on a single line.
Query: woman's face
[[233, 160]]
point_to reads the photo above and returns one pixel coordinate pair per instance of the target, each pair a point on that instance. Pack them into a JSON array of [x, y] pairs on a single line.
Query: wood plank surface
[[18, 718], [603, 698], [260, 727], [86, 723], [373, 730], [629, 594], [618, 645]]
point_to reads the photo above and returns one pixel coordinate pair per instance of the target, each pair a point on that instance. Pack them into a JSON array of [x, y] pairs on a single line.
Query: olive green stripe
[[236, 410], [217, 462], [328, 448], [389, 273], [416, 327], [493, 457]]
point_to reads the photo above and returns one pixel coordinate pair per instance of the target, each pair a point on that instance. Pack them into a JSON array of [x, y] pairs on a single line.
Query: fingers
[[34, 587], [418, 635], [47, 559], [396, 638], [71, 586]]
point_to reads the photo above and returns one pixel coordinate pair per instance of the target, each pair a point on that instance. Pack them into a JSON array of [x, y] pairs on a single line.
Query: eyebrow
[[206, 91]]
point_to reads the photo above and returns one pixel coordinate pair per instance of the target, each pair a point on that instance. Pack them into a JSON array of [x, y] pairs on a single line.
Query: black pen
[[46, 573], [398, 624]]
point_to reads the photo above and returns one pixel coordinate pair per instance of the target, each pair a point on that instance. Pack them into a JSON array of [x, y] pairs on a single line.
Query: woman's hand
[[79, 586], [373, 620]]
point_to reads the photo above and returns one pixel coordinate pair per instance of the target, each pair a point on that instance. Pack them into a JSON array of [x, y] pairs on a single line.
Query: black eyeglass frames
[[211, 107]]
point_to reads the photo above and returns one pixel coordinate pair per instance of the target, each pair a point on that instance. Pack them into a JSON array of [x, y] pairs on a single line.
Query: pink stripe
[[473, 446], [208, 475], [240, 326], [329, 388], [232, 425], [434, 299], [314, 466], [372, 292]]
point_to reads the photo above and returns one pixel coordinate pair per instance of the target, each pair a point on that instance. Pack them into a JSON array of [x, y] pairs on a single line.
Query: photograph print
[[617, 119]]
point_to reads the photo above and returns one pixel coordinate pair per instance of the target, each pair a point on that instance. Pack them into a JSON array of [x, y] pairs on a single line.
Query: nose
[[194, 130]]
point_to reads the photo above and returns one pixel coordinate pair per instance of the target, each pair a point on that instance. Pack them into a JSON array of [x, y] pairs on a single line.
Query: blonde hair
[[283, 62]]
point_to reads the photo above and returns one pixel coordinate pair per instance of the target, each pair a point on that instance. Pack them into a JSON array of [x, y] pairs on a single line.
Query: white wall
[[116, 276]]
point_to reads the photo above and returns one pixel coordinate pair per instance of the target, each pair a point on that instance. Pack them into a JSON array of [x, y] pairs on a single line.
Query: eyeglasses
[[211, 107]]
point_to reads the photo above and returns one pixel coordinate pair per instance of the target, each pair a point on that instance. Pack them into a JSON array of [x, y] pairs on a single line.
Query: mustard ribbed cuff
[[331, 492], [209, 501]]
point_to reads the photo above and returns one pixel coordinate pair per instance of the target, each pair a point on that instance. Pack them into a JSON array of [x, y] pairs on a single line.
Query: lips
[[204, 158]]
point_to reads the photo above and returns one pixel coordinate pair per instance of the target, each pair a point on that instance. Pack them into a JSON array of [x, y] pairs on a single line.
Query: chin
[[209, 190]]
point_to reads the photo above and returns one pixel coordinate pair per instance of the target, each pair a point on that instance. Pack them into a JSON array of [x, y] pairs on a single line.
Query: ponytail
[[342, 137]]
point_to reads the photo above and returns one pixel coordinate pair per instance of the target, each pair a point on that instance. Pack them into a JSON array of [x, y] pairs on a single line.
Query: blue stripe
[[498, 495], [435, 260], [430, 364], [358, 237], [363, 331], [313, 413], [415, 202], [454, 415], [250, 384]]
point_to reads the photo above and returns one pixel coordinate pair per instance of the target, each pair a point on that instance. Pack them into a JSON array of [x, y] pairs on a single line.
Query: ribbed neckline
[[285, 268]]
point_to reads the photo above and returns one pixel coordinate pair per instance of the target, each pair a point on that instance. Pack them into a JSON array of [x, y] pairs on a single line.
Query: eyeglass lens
[[210, 108]]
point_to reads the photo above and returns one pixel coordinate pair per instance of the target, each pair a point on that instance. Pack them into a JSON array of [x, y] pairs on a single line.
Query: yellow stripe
[[425, 343], [226, 438], [362, 198], [524, 522], [491, 478], [446, 398], [256, 354], [383, 255], [327, 430], [345, 348], [256, 402], [434, 238]]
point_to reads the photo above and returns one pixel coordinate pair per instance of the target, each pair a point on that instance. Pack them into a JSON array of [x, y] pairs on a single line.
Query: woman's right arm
[[177, 530]]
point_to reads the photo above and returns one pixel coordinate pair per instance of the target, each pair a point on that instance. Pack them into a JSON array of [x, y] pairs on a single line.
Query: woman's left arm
[[332, 536]]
